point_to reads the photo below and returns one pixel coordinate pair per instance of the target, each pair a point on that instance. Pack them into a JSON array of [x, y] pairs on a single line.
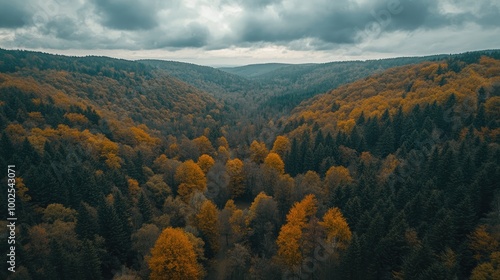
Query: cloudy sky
[[236, 32]]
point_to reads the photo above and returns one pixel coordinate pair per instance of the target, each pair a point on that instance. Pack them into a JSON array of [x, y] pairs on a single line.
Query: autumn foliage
[[173, 257], [191, 178], [121, 169]]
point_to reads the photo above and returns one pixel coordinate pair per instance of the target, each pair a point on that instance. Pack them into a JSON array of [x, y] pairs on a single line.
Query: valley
[[389, 167]]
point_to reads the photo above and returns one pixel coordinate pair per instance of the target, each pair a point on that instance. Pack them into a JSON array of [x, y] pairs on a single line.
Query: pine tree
[[293, 158], [86, 225], [90, 262], [6, 147], [116, 241], [386, 143], [145, 208]]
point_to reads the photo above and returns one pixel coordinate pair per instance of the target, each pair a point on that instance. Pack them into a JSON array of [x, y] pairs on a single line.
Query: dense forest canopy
[[384, 169]]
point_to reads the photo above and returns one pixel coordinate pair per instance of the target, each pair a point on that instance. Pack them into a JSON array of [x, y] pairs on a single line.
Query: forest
[[382, 169]]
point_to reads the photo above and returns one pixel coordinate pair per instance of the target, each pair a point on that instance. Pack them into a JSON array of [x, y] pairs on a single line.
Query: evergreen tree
[[116, 241], [145, 208], [90, 262], [86, 226]]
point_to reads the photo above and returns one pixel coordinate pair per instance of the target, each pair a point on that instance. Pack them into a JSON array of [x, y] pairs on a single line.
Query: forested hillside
[[291, 84], [254, 70], [165, 170]]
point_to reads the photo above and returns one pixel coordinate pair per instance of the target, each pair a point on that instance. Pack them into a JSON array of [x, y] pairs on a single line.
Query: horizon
[[218, 66]]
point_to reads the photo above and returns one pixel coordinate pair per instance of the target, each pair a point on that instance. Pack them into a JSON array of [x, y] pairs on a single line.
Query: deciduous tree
[[234, 168], [281, 145], [190, 178], [205, 162], [273, 161], [337, 230], [207, 223], [173, 257], [258, 151]]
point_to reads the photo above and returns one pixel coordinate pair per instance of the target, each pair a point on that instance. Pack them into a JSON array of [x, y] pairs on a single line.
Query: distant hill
[[119, 90], [401, 87], [286, 85], [254, 70], [214, 81]]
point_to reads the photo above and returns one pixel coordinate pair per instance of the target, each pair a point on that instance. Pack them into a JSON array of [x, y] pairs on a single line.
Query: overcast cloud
[[221, 31]]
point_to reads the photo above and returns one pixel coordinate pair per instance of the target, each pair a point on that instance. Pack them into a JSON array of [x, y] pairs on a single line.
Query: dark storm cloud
[[489, 15], [341, 23], [295, 24], [65, 28], [193, 35], [338, 22], [410, 15], [127, 14], [14, 14], [255, 4], [333, 23]]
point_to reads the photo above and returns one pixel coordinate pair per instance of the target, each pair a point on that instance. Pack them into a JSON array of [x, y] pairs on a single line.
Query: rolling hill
[[391, 169], [404, 87], [254, 70]]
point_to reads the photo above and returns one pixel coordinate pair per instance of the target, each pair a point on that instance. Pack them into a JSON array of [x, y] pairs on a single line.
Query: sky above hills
[[225, 32]]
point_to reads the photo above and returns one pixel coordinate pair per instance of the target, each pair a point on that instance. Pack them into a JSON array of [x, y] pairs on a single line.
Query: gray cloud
[[193, 35], [65, 28], [14, 14], [489, 14], [127, 14], [256, 4], [345, 22], [310, 25], [341, 22]]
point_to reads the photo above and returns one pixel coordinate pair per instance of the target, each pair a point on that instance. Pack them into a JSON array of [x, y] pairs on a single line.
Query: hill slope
[[117, 89], [301, 82], [404, 87], [219, 83], [254, 70], [393, 176]]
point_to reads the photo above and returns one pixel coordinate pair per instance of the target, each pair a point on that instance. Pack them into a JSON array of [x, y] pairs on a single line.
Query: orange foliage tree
[[208, 224], [190, 178], [258, 151], [204, 145], [273, 161], [337, 176], [174, 257], [290, 238], [234, 169], [205, 162], [281, 145], [337, 230]]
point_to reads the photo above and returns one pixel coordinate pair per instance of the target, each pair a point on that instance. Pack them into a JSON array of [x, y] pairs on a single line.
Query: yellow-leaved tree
[[207, 222], [338, 234], [204, 145], [290, 239], [281, 145], [173, 257], [258, 151], [205, 162], [274, 162], [234, 169], [337, 176], [190, 178]]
